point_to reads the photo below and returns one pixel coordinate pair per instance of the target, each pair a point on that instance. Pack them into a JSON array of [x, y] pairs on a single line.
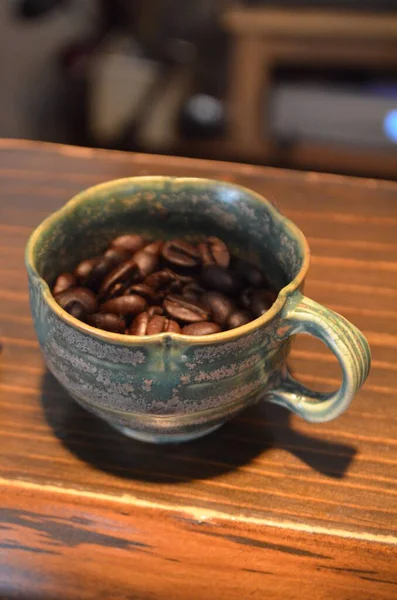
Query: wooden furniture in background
[[266, 38], [269, 506]]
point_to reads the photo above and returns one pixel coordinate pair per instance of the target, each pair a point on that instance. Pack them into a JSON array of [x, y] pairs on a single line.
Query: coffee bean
[[181, 253], [84, 269], [91, 272], [146, 324], [182, 310], [124, 305], [214, 252], [77, 295], [172, 327], [194, 287], [191, 297], [201, 328], [117, 290], [161, 279], [251, 274], [142, 289], [160, 324], [154, 248], [183, 277], [101, 269], [77, 311], [246, 297], [130, 242], [239, 318], [220, 279], [155, 310], [219, 305], [261, 301], [254, 276], [175, 287], [64, 282], [119, 279], [139, 324], [146, 262], [116, 255], [137, 295], [192, 292], [107, 321]]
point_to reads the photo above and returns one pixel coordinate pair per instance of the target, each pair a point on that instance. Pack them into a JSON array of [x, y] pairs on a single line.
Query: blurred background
[[305, 84]]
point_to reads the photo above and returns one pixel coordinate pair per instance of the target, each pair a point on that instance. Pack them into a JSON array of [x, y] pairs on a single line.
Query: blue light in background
[[390, 125]]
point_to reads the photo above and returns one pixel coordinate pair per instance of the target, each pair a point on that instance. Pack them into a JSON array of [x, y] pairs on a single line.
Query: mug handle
[[303, 315]]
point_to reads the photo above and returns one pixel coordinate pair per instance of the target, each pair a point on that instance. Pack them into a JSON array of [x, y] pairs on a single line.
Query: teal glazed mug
[[171, 387]]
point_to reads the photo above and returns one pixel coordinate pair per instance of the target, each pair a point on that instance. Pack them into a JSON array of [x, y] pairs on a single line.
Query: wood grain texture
[[168, 555], [269, 504], [311, 23]]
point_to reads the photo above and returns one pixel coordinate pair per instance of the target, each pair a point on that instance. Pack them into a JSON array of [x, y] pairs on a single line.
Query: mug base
[[165, 438]]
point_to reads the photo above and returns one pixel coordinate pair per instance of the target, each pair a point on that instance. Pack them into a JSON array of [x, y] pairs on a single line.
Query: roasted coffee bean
[[130, 242], [194, 287], [137, 295], [77, 311], [64, 282], [146, 324], [101, 269], [192, 292], [161, 279], [142, 289], [175, 287], [201, 328], [119, 279], [168, 281], [251, 274], [117, 290], [154, 248], [77, 295], [124, 305], [181, 253], [255, 277], [84, 269], [146, 261], [220, 279], [239, 318], [173, 327], [139, 324], [251, 296], [219, 305], [183, 277], [246, 297], [214, 252], [107, 321], [261, 301], [91, 272], [191, 297], [117, 256], [180, 309], [160, 324], [155, 310]]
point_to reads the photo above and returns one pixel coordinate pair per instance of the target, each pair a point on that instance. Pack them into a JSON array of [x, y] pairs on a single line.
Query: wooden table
[[268, 507]]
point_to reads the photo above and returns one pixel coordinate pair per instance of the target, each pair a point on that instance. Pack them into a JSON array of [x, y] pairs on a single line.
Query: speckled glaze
[[172, 387]]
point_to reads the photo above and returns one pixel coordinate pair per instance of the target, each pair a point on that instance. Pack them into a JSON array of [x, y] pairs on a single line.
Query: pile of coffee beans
[[137, 287]]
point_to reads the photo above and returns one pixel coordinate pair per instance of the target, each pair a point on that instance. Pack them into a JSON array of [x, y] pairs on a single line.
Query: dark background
[[155, 76]]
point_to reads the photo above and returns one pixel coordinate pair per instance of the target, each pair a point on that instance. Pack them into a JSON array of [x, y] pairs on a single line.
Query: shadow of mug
[[259, 429]]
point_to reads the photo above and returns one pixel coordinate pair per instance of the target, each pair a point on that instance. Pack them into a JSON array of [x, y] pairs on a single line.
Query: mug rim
[[153, 180]]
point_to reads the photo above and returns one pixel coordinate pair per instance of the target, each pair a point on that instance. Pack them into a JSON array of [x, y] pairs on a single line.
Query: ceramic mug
[[171, 387]]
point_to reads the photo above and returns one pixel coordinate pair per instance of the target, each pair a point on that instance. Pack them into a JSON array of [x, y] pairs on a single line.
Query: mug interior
[[163, 208]]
